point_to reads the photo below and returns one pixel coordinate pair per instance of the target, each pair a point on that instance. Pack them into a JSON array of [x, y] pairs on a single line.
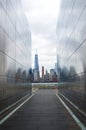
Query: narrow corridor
[[43, 111]]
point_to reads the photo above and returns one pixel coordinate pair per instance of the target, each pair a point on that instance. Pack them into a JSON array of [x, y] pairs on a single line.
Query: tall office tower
[[36, 62], [53, 76], [55, 68], [47, 76], [36, 69], [42, 73], [52, 73]]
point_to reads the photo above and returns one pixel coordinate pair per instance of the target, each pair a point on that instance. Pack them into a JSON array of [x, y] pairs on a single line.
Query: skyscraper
[[36, 63], [42, 73], [36, 68]]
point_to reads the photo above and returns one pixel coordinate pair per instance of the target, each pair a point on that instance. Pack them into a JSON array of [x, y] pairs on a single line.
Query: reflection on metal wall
[[71, 32], [15, 46]]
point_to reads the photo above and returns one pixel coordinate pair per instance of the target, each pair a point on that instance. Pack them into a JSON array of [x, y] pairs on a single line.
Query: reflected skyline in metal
[[71, 35], [15, 50]]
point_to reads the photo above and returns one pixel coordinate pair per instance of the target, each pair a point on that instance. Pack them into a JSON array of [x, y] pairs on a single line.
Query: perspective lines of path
[[43, 111]]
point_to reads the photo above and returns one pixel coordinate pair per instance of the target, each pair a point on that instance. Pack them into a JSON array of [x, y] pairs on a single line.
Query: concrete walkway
[[43, 111]]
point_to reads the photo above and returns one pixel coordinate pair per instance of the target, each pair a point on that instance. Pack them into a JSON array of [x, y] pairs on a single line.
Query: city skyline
[[44, 75], [36, 65], [42, 16]]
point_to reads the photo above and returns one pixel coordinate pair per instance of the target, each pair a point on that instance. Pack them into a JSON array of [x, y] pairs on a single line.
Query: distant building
[[36, 63], [36, 76], [47, 76], [53, 76], [30, 75], [43, 73], [55, 68], [36, 69]]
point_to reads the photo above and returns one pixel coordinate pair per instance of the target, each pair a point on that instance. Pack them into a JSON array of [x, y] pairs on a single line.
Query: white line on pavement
[[72, 114], [12, 112]]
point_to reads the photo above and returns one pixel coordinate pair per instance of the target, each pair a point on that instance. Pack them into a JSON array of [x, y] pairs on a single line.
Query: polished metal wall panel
[[15, 49], [2, 40], [71, 33], [3, 3], [10, 29], [10, 48], [2, 64], [2, 18], [11, 12]]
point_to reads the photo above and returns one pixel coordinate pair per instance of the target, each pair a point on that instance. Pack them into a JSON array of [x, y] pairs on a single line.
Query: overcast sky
[[42, 16]]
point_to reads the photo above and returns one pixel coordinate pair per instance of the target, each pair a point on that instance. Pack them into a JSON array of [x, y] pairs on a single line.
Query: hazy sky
[[42, 16]]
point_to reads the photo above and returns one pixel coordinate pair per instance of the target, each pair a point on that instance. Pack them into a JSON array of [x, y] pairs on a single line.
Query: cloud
[[42, 16]]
